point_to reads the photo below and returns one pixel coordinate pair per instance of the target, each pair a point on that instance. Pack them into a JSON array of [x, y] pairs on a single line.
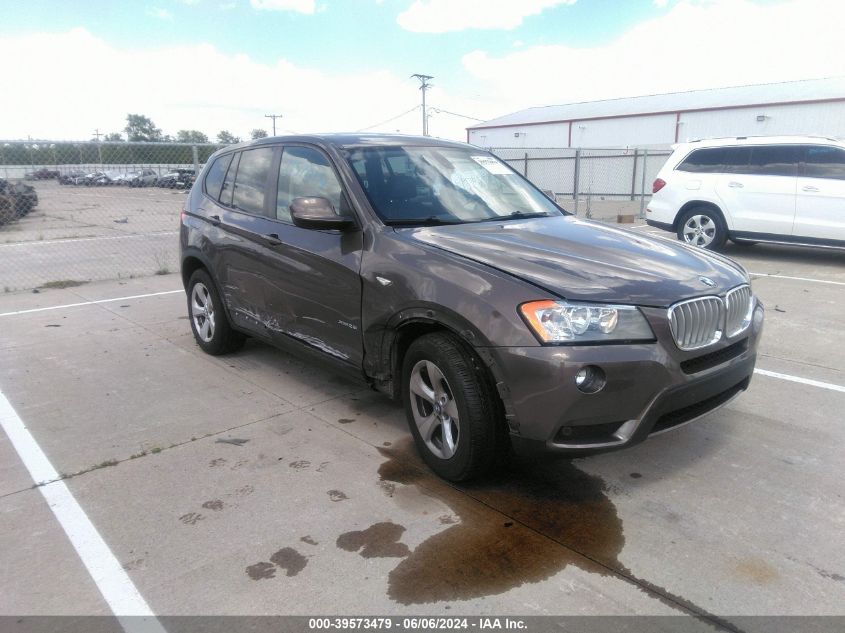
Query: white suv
[[777, 189]]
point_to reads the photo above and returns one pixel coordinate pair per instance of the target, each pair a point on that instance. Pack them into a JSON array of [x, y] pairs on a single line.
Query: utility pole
[[424, 85], [97, 135], [274, 117]]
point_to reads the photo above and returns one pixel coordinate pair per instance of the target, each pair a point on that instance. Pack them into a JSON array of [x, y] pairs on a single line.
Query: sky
[[70, 68]]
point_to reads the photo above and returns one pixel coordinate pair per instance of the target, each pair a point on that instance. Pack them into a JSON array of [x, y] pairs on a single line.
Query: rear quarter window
[[216, 174]]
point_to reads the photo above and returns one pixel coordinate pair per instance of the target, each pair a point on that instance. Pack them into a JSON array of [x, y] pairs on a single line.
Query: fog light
[[757, 319], [590, 379]]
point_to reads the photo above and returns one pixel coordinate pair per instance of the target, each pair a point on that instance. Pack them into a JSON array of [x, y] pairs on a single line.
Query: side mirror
[[319, 214]]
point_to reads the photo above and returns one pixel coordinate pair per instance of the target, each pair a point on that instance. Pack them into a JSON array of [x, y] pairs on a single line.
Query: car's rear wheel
[[452, 407], [703, 227], [209, 323]]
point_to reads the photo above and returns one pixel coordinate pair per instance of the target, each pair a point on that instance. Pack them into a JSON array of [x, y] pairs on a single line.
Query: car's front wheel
[[703, 227], [452, 407], [211, 328]]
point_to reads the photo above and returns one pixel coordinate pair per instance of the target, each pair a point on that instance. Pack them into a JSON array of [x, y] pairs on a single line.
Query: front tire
[[452, 407], [209, 323], [703, 227]]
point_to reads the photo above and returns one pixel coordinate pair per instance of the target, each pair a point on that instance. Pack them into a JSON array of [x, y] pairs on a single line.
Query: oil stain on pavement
[[552, 515], [287, 559], [475, 557]]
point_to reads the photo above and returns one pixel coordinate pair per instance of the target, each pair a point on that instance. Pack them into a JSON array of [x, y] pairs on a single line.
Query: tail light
[[658, 185]]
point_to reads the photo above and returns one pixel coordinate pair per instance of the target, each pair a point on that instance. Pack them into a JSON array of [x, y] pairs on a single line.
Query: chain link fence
[[77, 212], [71, 213], [597, 183]]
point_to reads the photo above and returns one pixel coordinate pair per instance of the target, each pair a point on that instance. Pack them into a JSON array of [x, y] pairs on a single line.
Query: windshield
[[443, 185]]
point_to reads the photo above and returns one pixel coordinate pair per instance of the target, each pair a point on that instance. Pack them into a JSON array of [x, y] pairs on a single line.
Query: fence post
[[642, 192], [525, 166], [575, 177], [196, 160], [634, 176]]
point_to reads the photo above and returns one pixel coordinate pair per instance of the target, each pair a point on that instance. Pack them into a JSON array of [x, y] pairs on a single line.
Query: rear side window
[[305, 172], [216, 174], [775, 160], [711, 160], [251, 180], [825, 162]]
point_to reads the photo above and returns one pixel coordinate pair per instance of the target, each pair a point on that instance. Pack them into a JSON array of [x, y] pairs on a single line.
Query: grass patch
[[63, 283]]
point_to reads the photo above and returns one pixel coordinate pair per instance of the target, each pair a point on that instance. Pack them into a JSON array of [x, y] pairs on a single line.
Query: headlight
[[564, 322]]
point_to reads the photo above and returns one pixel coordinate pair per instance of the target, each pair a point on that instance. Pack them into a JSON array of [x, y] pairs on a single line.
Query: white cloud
[[161, 14], [300, 6], [661, 3], [220, 91], [441, 16], [693, 45]]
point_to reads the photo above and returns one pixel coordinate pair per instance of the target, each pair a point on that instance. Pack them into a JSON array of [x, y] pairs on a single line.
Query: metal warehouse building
[[814, 106]]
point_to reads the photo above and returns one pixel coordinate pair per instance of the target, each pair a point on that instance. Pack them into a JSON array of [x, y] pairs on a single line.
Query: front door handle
[[809, 188], [273, 239], [734, 183], [215, 220]]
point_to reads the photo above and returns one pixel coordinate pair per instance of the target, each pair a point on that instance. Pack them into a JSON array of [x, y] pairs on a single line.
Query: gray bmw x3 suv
[[437, 274]]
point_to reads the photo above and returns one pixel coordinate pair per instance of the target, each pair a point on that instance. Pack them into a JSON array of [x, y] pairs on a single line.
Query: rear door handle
[[273, 239], [809, 188], [734, 183], [215, 220]]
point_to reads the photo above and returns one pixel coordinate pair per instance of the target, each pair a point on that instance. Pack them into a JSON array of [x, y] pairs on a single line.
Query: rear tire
[[209, 323], [703, 227], [453, 410]]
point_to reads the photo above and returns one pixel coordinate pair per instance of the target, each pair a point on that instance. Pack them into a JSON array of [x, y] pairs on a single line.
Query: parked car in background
[[42, 174], [780, 190], [16, 200], [143, 178], [177, 179], [105, 178], [71, 177], [439, 275]]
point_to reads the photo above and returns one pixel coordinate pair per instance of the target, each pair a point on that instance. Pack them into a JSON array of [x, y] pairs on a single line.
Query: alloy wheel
[[202, 312], [434, 409]]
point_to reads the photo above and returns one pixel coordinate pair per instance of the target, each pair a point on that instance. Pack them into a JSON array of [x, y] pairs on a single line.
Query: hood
[[583, 260]]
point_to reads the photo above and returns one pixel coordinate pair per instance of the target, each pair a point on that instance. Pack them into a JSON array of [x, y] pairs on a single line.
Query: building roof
[[831, 88]]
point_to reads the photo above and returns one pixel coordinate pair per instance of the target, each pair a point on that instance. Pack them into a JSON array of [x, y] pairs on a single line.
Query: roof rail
[[743, 138]]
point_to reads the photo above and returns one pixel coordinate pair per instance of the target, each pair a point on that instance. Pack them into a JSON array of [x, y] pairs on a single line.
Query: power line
[[398, 116], [464, 116]]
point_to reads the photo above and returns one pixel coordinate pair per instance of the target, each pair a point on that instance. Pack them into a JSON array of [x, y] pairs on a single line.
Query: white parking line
[[88, 303], [798, 379], [87, 239], [817, 281], [117, 588]]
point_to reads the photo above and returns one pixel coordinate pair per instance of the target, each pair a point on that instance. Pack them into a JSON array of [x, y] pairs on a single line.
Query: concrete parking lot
[[259, 484]]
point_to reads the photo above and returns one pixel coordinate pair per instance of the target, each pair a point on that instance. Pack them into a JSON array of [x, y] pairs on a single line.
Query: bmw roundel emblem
[[707, 281]]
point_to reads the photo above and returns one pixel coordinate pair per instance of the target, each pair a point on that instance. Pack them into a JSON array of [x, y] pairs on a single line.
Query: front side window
[[214, 177], [251, 180], [825, 162], [306, 172], [443, 185]]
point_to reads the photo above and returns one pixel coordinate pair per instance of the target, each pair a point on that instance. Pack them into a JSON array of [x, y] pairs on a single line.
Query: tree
[[258, 133], [140, 128], [191, 136], [113, 136], [227, 138]]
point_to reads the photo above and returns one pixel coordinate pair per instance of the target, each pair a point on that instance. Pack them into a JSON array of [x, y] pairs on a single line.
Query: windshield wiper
[[518, 215], [429, 221]]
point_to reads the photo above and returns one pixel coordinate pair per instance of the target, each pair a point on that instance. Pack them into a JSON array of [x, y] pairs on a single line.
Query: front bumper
[[650, 388]]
